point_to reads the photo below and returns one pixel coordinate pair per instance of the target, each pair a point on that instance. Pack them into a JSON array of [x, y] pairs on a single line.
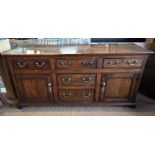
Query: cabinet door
[[34, 89], [118, 87]]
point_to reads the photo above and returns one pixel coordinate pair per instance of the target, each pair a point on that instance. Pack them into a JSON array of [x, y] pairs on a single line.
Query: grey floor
[[145, 107]]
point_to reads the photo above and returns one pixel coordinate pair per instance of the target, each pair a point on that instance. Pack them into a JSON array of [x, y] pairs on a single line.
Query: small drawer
[[76, 95], [76, 63], [31, 64], [76, 79], [130, 62]]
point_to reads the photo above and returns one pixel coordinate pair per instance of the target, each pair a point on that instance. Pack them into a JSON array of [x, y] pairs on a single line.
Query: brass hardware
[[66, 94], [88, 62], [21, 64], [84, 94], [113, 63], [67, 79], [132, 62], [67, 63], [49, 87], [86, 79], [40, 64], [103, 84]]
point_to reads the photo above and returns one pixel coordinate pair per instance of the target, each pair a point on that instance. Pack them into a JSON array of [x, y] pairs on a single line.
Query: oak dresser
[[96, 75]]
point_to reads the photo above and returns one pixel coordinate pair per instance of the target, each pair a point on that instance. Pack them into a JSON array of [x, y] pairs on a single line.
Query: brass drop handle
[[40, 64], [103, 87], [67, 79], [103, 84], [67, 63], [67, 94], [49, 87], [86, 79], [84, 94], [21, 64], [113, 63], [132, 62], [88, 62]]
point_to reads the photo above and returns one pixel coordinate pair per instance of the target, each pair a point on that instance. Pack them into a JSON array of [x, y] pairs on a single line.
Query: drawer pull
[[67, 94], [132, 62], [21, 64], [88, 62], [40, 64], [113, 63], [86, 79], [86, 94], [66, 79], [67, 63]]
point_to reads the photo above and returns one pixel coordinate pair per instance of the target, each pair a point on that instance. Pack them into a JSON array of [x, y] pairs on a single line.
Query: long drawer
[[76, 80], [67, 63], [30, 64], [73, 95], [123, 62]]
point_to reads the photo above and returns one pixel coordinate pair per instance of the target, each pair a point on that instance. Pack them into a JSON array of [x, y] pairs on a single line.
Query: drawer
[[129, 62], [30, 64], [76, 63], [76, 79], [76, 95]]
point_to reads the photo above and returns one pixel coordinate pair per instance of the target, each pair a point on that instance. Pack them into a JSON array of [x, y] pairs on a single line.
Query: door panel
[[34, 88], [118, 86]]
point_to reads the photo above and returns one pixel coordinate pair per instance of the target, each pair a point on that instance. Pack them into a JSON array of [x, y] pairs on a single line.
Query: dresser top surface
[[79, 49]]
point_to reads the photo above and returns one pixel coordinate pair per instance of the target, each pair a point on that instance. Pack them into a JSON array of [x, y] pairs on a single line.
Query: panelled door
[[34, 89], [118, 86]]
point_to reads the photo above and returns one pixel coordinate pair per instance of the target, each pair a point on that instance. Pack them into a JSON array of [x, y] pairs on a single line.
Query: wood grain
[[105, 73]]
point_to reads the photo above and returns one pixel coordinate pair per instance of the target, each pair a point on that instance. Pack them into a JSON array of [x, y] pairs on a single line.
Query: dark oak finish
[[76, 80], [76, 95], [80, 75], [34, 89], [31, 64], [123, 62], [118, 86], [76, 63]]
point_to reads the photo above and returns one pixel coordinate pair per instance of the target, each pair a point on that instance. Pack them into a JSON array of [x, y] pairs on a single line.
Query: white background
[[77, 135], [77, 18]]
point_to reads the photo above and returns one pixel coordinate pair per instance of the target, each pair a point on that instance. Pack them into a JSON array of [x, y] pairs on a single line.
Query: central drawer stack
[[75, 81]]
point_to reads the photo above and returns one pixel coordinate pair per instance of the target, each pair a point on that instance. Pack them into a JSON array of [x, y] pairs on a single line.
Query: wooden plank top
[[102, 49]]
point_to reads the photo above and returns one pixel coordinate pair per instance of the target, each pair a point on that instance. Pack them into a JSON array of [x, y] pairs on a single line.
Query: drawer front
[[30, 64], [76, 63], [130, 62], [76, 95], [76, 79]]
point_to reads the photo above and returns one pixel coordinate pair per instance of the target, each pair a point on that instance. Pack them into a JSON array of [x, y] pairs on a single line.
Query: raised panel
[[118, 87], [34, 88]]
